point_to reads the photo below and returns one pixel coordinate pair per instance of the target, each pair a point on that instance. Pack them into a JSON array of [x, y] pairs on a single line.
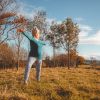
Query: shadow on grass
[[98, 68], [95, 98], [95, 68], [16, 98], [83, 89], [64, 93]]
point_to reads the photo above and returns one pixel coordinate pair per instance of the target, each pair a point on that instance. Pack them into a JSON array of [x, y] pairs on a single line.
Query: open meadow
[[56, 84], [63, 33]]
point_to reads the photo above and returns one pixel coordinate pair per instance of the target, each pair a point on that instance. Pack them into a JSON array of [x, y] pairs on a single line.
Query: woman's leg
[[31, 60], [38, 69]]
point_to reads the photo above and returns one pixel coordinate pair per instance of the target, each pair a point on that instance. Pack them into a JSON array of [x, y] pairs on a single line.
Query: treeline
[[61, 60], [9, 56]]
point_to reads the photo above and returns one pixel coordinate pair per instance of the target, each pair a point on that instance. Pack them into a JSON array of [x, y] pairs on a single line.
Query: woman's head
[[36, 32]]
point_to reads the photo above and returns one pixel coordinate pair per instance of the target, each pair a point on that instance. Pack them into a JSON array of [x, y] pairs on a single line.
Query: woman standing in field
[[35, 53]]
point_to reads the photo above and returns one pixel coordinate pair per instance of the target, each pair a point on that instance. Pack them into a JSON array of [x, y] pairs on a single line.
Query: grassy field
[[56, 84]]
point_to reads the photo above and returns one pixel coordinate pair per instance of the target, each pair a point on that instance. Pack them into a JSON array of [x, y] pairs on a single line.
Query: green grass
[[56, 84]]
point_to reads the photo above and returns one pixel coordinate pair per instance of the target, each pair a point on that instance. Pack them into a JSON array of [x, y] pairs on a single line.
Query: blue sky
[[84, 12]]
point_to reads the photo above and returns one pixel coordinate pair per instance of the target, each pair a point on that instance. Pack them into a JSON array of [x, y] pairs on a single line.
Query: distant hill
[[87, 62]]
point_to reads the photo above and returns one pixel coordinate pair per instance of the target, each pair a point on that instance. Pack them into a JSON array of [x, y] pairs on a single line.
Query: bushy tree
[[53, 38], [69, 31]]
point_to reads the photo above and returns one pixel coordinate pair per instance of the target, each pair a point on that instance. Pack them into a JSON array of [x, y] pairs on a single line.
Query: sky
[[83, 12]]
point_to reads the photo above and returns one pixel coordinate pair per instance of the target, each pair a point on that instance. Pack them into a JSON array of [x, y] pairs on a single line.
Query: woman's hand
[[20, 30]]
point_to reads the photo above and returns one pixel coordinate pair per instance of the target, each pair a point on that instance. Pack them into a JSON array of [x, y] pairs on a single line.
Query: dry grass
[[56, 84]]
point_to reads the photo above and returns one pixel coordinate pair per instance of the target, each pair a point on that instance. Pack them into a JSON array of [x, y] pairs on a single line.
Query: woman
[[35, 53]]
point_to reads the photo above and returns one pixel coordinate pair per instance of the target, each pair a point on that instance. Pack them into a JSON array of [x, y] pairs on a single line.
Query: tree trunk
[[68, 57], [54, 55], [18, 60], [77, 61]]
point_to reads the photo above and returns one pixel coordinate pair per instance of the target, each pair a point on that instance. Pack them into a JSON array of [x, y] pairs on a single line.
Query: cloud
[[91, 39], [86, 35], [85, 27], [84, 31], [28, 10], [79, 19], [92, 54], [96, 55], [50, 20], [83, 34]]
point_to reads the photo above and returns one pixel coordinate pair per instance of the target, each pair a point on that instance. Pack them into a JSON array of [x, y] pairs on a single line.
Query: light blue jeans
[[32, 60]]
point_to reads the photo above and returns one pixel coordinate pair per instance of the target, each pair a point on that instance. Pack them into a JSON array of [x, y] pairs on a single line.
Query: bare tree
[[7, 6], [18, 40], [39, 20], [7, 14], [19, 22], [23, 54], [6, 27]]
